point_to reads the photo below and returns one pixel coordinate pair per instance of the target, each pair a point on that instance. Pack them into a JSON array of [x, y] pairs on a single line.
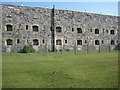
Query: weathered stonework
[[69, 21]]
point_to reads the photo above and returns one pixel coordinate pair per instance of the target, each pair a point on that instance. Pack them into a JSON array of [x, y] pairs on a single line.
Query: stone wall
[[69, 21]]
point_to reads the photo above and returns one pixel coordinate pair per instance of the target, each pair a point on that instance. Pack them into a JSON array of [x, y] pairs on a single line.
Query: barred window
[[79, 42], [79, 30], [112, 32], [9, 42], [97, 42], [35, 28], [96, 31], [58, 42], [9, 27], [112, 42], [35, 42], [58, 29]]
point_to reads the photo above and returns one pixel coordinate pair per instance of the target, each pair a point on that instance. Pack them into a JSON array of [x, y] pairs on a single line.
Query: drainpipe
[[52, 30]]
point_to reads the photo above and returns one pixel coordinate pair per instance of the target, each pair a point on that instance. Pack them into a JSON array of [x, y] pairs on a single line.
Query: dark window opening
[[107, 31], [112, 32], [91, 30], [9, 27], [58, 42], [96, 31], [35, 42], [72, 29], [112, 42], [79, 30], [9, 16], [65, 41], [85, 41], [97, 42], [79, 42], [117, 41], [9, 42], [102, 42], [50, 28], [26, 27], [43, 41], [35, 28], [18, 41], [58, 29]]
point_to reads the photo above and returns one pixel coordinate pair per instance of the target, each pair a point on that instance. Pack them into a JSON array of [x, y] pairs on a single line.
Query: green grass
[[66, 70]]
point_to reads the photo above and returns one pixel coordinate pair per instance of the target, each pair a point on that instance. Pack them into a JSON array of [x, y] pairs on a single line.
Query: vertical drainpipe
[[52, 30]]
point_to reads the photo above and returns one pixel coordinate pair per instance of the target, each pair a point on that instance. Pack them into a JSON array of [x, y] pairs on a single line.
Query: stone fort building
[[52, 29]]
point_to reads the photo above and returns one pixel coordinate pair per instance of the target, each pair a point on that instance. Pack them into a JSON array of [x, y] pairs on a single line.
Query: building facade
[[52, 29]]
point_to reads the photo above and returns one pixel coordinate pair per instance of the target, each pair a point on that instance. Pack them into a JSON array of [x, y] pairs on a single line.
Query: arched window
[[9, 27], [35, 28], [58, 29], [96, 31], [9, 42], [112, 32], [112, 42], [97, 42], [58, 42], [35, 42], [79, 30], [79, 42]]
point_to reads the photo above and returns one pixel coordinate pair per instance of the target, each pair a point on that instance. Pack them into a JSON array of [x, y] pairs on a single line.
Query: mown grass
[[55, 70]]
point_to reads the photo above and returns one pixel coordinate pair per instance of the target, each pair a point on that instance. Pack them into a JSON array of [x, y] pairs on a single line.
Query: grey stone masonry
[[23, 26]]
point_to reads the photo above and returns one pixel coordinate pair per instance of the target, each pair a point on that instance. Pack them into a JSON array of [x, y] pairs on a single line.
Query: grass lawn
[[55, 70]]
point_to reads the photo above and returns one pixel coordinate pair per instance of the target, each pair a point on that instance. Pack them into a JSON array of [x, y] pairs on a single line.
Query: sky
[[107, 8]]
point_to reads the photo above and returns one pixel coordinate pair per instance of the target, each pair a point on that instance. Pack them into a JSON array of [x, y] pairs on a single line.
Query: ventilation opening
[[26, 27], [65, 41], [18, 41], [43, 41]]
